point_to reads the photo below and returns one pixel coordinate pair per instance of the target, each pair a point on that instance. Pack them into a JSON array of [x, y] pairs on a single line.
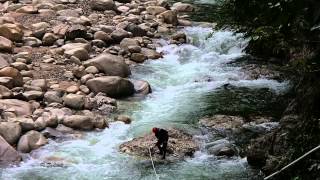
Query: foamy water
[[179, 84]]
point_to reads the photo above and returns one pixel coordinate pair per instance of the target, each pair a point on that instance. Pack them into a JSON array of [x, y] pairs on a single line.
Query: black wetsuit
[[162, 136]]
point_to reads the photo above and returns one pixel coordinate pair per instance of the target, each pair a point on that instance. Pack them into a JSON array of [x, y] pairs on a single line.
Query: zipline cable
[[284, 168], [154, 169]]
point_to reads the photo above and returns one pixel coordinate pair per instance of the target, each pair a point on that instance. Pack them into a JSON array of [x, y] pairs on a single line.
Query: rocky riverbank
[[63, 63]]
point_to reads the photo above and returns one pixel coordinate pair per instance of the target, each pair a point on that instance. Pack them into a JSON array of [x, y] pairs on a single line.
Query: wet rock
[[179, 36], [7, 153], [141, 87], [11, 31], [10, 131], [180, 145], [30, 141], [6, 45], [102, 5], [113, 86], [124, 118], [64, 129], [52, 133], [74, 101], [138, 57], [109, 64], [79, 122], [221, 148], [18, 107], [150, 53]]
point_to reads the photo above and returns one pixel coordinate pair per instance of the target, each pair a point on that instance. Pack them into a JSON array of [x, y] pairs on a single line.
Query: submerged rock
[[180, 145]]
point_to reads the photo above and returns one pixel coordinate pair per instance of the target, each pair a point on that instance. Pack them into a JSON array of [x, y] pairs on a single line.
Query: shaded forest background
[[285, 32]]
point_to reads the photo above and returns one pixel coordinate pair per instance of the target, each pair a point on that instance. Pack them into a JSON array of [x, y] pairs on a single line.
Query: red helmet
[[155, 130]]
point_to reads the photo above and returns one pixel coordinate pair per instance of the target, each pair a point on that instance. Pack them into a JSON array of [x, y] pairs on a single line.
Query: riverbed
[[184, 83]]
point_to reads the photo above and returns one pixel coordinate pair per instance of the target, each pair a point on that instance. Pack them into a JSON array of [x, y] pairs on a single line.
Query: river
[[179, 99]]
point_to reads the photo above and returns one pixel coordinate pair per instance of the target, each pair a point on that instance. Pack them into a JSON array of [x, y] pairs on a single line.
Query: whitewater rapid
[[179, 81]]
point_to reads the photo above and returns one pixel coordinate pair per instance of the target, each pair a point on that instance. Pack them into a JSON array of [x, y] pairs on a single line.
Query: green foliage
[[277, 28]]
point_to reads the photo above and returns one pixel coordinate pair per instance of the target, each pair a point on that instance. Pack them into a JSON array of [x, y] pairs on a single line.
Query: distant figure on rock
[[162, 136]]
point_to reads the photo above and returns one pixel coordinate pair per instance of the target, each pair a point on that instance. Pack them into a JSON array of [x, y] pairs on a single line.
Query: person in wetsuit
[[162, 136]]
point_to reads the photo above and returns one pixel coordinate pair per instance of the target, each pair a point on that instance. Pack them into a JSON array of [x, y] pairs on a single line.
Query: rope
[[154, 169], [287, 166]]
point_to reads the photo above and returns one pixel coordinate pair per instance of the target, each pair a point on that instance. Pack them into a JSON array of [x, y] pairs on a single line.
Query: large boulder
[[119, 34], [74, 101], [3, 62], [18, 107], [30, 141], [126, 42], [10, 131], [7, 153], [169, 17], [141, 87], [110, 64], [79, 122], [113, 86], [102, 5], [136, 30], [180, 145], [5, 92], [13, 73], [26, 124], [11, 31], [150, 53], [5, 45]]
